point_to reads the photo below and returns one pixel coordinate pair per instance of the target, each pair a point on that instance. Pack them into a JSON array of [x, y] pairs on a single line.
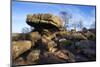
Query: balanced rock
[[43, 21]]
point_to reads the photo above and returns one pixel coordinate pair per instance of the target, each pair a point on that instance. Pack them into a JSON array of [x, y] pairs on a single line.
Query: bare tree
[[25, 31], [75, 25], [65, 18], [80, 24], [84, 29], [31, 29]]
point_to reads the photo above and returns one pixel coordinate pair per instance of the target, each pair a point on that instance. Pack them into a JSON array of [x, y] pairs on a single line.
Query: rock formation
[[49, 42], [40, 21]]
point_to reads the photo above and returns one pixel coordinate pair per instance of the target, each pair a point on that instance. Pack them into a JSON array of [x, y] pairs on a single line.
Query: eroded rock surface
[[20, 47], [44, 21]]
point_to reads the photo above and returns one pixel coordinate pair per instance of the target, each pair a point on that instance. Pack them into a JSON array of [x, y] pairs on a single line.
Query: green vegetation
[[66, 42]]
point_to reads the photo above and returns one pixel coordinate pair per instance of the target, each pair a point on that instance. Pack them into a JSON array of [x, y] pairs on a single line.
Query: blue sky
[[21, 9]]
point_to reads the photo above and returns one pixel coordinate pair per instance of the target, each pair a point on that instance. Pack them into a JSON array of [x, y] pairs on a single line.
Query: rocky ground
[[49, 43]]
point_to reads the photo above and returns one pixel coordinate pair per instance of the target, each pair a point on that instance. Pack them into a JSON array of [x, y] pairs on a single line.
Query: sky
[[79, 12]]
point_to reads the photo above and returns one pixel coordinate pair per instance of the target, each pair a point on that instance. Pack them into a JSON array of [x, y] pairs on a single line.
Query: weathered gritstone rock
[[77, 36], [44, 21], [90, 35], [49, 43], [19, 47], [19, 61], [65, 55], [33, 56], [50, 58], [35, 36], [59, 56]]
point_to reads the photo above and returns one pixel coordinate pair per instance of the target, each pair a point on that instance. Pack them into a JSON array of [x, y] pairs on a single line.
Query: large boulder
[[49, 43], [90, 35], [65, 55], [33, 57], [43, 21], [76, 36], [19, 47]]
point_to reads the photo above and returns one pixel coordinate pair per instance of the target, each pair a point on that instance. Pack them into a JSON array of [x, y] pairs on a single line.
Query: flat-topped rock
[[44, 21]]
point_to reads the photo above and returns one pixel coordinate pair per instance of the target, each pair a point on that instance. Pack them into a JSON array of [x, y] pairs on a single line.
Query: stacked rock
[[46, 25], [42, 38]]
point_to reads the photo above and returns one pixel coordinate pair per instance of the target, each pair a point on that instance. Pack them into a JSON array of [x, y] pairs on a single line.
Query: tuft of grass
[[66, 42]]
